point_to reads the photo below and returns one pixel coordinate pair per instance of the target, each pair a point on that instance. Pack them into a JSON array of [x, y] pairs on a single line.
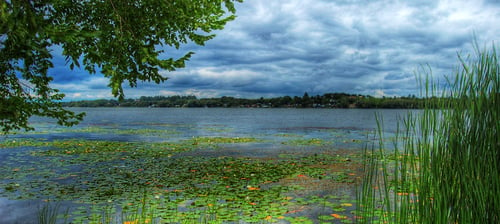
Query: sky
[[289, 47]]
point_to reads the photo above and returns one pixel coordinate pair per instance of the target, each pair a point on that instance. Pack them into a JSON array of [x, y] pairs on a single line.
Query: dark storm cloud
[[290, 47]]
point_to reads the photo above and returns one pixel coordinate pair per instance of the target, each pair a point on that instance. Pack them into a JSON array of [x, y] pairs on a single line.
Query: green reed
[[50, 214], [445, 167]]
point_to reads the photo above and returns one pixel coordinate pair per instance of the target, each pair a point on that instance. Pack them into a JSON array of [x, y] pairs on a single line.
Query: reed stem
[[445, 166]]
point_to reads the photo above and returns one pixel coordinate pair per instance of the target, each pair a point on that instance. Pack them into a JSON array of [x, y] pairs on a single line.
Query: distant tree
[[306, 100], [286, 101], [121, 39]]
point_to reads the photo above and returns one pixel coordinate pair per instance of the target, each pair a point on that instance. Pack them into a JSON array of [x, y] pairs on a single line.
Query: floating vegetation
[[217, 129], [223, 140], [289, 135], [153, 132], [152, 182], [307, 142], [114, 130]]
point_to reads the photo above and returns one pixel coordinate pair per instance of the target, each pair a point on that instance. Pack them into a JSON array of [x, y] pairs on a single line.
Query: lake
[[229, 121], [251, 133]]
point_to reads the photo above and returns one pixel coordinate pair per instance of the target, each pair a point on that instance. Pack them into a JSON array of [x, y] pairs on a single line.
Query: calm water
[[234, 121], [246, 120], [345, 128]]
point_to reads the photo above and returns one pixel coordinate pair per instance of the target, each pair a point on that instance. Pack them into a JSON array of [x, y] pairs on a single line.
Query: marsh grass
[[445, 166], [51, 214]]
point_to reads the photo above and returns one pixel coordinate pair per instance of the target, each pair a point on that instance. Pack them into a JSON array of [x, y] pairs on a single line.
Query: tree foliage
[[328, 100], [123, 40]]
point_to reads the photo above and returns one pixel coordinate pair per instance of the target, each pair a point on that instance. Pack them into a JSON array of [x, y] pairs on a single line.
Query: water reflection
[[19, 211]]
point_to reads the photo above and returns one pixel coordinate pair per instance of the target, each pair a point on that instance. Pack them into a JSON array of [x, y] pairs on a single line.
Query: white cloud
[[94, 87]]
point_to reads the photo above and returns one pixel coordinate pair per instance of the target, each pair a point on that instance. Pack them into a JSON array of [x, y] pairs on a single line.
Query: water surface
[[282, 131]]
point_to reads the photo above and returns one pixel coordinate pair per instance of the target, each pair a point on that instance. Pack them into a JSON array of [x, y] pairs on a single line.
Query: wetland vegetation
[[115, 170], [133, 182], [445, 167]]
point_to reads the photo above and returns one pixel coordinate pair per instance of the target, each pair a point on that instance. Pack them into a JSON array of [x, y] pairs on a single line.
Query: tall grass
[[50, 214], [446, 164]]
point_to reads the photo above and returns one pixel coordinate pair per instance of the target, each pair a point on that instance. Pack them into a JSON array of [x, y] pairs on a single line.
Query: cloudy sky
[[288, 47]]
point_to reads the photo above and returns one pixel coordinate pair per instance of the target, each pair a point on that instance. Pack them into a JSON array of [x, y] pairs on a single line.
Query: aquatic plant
[[445, 167], [50, 214], [158, 182]]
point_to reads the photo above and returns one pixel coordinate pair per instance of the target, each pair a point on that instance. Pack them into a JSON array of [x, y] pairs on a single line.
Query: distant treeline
[[329, 100]]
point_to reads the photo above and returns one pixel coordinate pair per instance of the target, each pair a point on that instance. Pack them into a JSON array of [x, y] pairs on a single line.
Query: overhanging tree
[[121, 39]]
